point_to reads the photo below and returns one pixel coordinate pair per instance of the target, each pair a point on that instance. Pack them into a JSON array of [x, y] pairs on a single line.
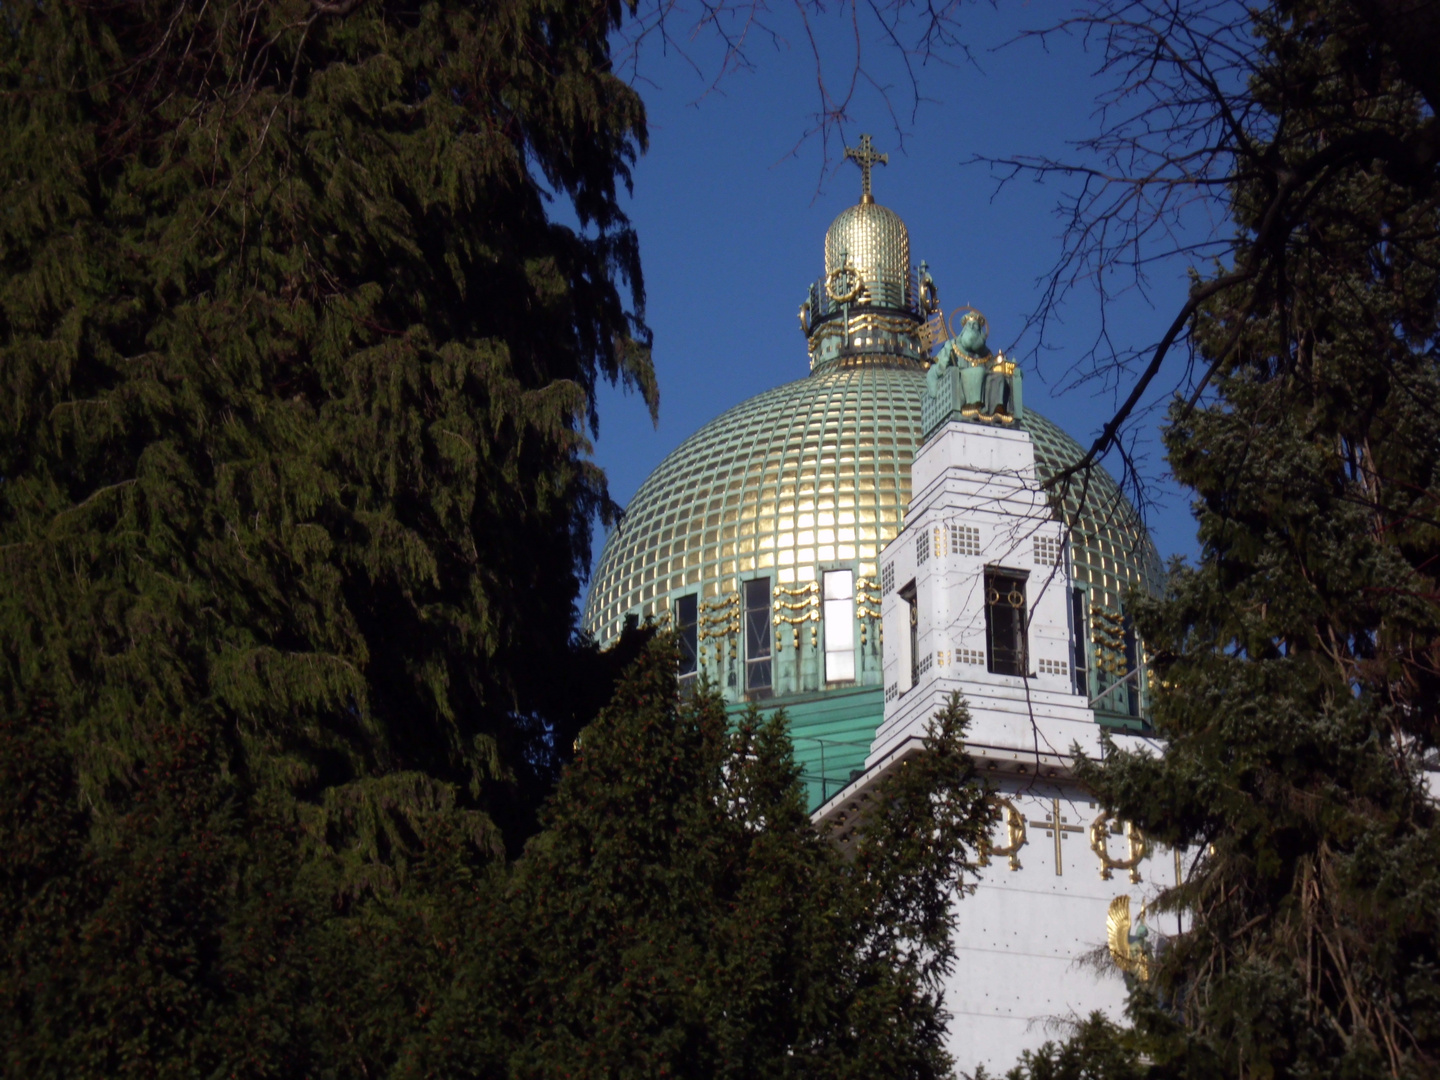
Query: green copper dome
[[815, 475]]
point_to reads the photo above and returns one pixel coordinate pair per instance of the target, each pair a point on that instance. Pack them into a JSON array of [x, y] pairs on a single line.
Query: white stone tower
[[977, 596]]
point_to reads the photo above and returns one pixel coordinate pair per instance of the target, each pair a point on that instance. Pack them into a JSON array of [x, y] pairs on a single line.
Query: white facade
[[975, 503], [1031, 950]]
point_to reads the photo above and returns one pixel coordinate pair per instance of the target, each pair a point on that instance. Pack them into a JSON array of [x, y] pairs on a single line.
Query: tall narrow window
[[1005, 620], [687, 630], [757, 638], [839, 626], [1079, 664], [1132, 663], [912, 618]]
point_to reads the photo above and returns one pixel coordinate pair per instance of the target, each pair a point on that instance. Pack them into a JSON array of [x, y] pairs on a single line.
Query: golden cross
[[867, 158], [1058, 827]]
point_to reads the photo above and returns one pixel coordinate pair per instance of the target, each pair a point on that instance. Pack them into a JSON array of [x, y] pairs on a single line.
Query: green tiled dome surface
[[817, 472]]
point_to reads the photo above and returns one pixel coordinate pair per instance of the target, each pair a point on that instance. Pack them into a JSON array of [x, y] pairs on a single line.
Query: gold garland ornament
[[802, 610], [719, 622], [1100, 844], [1005, 810]]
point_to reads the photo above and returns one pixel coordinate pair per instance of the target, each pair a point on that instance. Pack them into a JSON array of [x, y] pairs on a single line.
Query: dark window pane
[[1079, 661], [1132, 662], [687, 631], [757, 676], [1005, 621], [913, 615], [757, 635]]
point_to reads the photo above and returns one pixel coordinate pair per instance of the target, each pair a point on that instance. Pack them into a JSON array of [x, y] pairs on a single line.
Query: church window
[[1081, 628], [922, 548], [687, 630], [1132, 663], [912, 635], [839, 617], [757, 638], [1005, 620]]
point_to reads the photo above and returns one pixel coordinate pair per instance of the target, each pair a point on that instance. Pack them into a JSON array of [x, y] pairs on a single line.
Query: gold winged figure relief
[[1127, 949]]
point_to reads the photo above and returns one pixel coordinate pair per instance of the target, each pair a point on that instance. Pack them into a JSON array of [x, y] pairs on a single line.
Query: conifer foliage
[[679, 916], [1298, 663], [295, 376]]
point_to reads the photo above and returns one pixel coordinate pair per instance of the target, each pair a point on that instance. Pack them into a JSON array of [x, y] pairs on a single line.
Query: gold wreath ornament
[[843, 284], [1004, 810], [1100, 844]]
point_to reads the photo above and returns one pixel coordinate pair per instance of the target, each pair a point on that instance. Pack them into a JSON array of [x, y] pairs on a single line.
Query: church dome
[[758, 538], [814, 475]]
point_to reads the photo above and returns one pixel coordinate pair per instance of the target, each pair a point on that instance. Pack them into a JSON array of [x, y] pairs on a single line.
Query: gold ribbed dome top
[[874, 241]]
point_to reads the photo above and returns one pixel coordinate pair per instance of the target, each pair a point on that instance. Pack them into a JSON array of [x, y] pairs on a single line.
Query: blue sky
[[732, 213]]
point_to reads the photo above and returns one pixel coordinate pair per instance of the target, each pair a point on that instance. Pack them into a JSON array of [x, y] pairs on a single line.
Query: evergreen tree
[[678, 915], [296, 372], [1298, 662], [1098, 1049]]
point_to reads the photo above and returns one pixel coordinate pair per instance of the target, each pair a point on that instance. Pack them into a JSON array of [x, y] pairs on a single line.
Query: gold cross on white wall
[[1060, 828]]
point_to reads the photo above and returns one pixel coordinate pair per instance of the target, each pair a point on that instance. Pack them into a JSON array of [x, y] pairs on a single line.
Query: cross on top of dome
[[867, 157]]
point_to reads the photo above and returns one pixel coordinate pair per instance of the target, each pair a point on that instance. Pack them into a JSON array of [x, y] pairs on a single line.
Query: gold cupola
[[864, 310], [874, 241]]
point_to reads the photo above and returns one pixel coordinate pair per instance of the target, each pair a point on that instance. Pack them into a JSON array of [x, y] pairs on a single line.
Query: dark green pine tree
[[296, 372], [1097, 1049], [1298, 661], [678, 916]]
